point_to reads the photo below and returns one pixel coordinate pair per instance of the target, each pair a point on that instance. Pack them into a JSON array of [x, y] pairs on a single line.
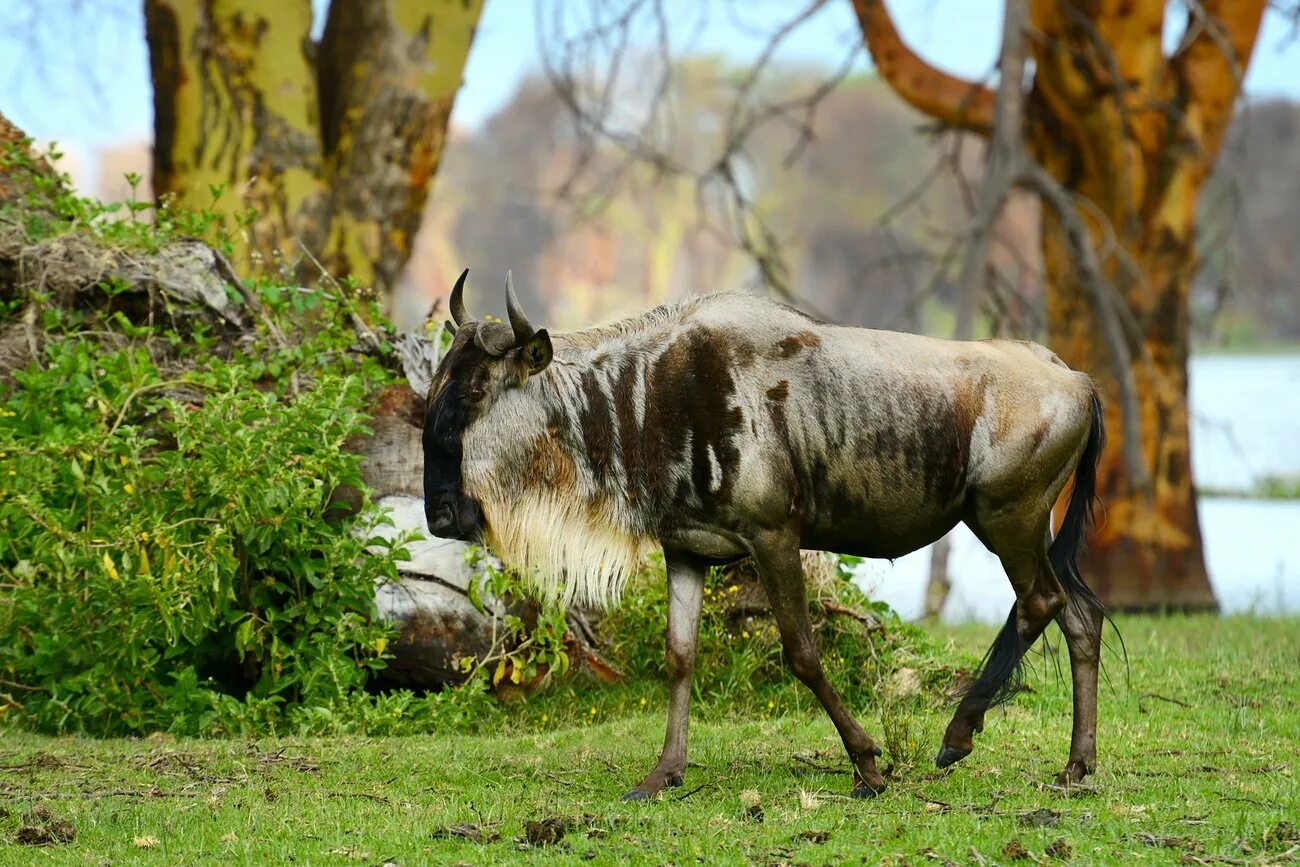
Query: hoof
[[865, 791], [637, 795], [1073, 774], [949, 756]]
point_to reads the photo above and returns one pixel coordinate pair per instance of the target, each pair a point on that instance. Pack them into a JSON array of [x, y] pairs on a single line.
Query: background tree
[[1131, 133], [330, 145]]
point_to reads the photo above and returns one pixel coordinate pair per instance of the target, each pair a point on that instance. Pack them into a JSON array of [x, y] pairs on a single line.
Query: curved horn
[[457, 303], [523, 329]]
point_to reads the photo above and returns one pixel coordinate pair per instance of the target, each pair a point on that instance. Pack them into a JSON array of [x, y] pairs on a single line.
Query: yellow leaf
[[500, 672], [515, 676], [146, 842], [110, 567]]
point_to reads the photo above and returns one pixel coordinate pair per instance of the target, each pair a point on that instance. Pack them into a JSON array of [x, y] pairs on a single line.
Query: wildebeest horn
[[523, 329], [457, 303]]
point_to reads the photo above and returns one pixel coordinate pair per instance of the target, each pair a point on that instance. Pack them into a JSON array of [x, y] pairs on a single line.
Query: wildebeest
[[728, 426]]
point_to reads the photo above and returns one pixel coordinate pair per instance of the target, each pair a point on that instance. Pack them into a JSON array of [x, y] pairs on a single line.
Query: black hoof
[[949, 756], [865, 791], [637, 795]]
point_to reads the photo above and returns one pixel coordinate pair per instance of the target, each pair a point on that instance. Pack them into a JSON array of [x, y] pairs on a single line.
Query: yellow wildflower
[[129, 488]]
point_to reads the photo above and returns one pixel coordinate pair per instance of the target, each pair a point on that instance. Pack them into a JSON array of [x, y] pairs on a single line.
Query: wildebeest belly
[[877, 529]]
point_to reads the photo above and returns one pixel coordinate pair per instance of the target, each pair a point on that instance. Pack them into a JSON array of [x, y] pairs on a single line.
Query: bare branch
[[1101, 294], [1004, 150]]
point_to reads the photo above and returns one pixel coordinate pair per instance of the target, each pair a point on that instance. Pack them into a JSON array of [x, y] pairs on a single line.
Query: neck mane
[[584, 518]]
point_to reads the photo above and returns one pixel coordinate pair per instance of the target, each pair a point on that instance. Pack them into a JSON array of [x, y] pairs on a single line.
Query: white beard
[[573, 551]]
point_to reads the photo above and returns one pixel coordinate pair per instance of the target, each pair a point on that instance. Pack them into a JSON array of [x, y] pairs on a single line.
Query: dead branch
[[1005, 147]]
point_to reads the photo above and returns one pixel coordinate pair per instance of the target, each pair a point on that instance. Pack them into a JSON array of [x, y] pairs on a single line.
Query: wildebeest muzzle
[[451, 515]]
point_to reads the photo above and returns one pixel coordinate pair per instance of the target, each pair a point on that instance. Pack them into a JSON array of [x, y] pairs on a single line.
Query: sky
[[76, 71]]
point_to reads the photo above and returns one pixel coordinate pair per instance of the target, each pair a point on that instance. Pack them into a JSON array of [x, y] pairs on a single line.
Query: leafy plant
[[170, 554]]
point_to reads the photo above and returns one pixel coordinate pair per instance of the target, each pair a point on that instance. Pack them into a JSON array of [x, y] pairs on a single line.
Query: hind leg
[[1081, 623], [1039, 598]]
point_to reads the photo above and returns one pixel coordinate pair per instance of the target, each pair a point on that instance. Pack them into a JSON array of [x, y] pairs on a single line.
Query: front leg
[[685, 594], [776, 554]]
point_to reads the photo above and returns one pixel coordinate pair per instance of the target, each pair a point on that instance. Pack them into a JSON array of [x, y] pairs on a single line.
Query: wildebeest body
[[728, 426], [697, 419]]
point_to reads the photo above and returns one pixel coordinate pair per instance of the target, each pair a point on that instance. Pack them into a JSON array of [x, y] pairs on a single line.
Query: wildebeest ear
[[536, 352]]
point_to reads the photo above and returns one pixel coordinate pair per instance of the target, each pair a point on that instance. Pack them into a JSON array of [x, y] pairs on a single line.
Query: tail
[[1069, 542], [1001, 672]]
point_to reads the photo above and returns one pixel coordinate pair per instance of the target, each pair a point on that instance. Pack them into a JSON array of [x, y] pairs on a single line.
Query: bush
[[169, 557]]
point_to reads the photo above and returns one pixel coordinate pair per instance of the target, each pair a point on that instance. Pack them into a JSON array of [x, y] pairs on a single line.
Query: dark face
[[485, 356], [459, 385]]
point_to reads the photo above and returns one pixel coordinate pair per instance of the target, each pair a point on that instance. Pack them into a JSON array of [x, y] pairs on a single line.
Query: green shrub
[[167, 550], [739, 669]]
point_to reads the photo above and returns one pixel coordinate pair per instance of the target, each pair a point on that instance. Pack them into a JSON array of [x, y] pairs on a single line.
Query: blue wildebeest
[[729, 426]]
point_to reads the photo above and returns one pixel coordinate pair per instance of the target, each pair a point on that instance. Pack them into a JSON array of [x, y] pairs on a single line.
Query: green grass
[[1198, 760]]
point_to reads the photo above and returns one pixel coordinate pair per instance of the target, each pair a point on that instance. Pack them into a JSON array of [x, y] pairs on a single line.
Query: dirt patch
[[547, 832], [1060, 849], [1014, 850], [41, 827], [1041, 818]]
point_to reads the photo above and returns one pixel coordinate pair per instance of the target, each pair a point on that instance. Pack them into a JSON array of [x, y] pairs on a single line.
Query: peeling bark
[[1136, 135], [235, 110]]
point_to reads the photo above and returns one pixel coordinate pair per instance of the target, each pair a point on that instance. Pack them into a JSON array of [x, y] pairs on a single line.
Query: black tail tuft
[[1001, 672], [1069, 542]]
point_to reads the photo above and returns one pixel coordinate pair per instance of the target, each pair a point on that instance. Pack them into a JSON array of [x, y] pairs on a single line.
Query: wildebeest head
[[487, 358]]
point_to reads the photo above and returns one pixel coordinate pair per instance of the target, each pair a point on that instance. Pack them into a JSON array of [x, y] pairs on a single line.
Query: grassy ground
[[1198, 763]]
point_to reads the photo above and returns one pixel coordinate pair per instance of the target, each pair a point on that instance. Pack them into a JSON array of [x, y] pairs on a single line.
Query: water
[[1246, 425], [1245, 419]]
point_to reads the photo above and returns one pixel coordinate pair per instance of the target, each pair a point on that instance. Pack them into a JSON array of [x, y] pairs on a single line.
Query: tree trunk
[[1146, 553], [1134, 136], [235, 119], [388, 75], [326, 148]]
